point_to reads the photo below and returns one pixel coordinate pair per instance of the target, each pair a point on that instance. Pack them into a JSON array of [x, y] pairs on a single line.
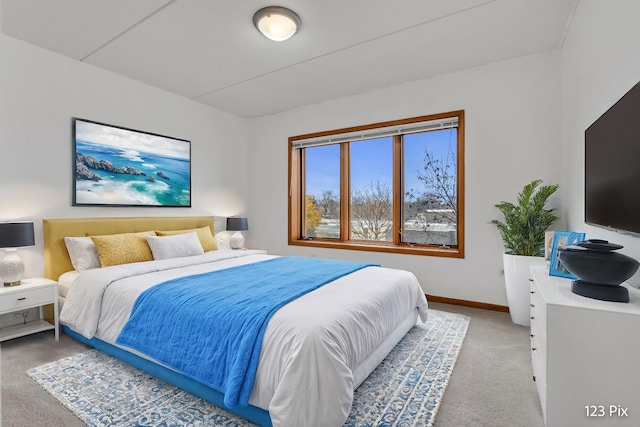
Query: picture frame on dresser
[[548, 244], [562, 239]]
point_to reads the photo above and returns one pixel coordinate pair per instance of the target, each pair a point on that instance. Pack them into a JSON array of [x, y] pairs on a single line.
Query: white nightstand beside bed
[[32, 293]]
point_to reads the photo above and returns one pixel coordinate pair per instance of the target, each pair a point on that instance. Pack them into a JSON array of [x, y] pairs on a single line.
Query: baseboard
[[465, 303]]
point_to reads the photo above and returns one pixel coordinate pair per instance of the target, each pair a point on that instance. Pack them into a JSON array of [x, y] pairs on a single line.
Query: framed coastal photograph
[[562, 239], [116, 166]]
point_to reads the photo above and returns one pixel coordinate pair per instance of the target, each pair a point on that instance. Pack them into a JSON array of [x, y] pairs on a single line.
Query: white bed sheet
[[316, 349], [64, 282]]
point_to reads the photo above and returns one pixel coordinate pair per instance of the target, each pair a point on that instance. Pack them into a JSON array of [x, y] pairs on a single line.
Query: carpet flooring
[[406, 389], [491, 384]]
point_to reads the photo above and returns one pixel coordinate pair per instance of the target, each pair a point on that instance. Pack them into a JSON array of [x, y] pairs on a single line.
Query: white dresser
[[585, 355]]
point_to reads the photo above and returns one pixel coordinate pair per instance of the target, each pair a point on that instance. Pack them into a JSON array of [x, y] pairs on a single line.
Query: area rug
[[405, 390]]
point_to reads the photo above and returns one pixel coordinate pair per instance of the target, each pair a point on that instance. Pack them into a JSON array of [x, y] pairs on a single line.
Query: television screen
[[116, 166], [612, 166]]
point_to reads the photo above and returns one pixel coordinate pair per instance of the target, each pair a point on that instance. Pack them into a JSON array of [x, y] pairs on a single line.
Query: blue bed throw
[[210, 326]]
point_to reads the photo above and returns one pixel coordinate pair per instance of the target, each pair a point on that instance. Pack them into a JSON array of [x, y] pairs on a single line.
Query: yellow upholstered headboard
[[56, 257]]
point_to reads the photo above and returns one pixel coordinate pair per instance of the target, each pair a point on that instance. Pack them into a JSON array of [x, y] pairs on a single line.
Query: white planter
[[516, 278]]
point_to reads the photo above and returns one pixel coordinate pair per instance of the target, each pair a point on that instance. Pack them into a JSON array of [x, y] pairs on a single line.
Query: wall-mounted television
[[612, 166]]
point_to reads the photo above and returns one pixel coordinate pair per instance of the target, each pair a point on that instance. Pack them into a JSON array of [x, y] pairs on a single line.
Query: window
[[394, 187]]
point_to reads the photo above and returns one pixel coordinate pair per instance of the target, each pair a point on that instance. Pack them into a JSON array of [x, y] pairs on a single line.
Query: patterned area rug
[[405, 390]]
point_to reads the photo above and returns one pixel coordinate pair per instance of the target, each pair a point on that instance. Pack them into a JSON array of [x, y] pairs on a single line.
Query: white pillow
[[83, 253], [176, 246]]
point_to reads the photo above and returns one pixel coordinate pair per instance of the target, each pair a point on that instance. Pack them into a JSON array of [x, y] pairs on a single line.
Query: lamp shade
[[237, 224], [16, 234]]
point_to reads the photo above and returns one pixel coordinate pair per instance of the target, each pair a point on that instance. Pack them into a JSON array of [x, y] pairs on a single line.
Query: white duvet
[[316, 349]]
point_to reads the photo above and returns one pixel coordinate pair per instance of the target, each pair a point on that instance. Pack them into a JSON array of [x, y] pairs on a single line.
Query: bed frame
[[57, 262]]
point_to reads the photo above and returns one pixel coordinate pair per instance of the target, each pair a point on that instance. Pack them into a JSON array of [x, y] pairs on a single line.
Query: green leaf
[[526, 222]]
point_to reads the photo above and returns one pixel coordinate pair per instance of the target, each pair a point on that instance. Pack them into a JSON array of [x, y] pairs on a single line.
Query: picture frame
[[118, 166], [562, 239], [548, 245]]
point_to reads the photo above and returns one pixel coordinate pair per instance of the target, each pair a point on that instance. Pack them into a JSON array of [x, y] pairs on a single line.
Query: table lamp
[[14, 235], [238, 225]]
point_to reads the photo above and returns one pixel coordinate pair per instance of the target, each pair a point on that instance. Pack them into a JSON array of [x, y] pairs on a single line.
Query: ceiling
[[210, 52]]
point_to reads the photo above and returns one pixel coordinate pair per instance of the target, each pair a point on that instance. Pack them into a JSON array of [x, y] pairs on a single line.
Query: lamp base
[[237, 240], [601, 292], [11, 268], [17, 283]]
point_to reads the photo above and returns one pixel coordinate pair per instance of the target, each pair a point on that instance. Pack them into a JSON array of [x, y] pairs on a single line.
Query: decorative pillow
[[125, 248], [83, 253], [204, 235], [177, 246]]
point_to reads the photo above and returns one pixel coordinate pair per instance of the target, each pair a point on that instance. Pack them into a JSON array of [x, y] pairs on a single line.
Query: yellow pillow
[[204, 235], [125, 248]]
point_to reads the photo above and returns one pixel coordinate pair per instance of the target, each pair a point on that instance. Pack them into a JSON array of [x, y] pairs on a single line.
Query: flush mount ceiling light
[[277, 23]]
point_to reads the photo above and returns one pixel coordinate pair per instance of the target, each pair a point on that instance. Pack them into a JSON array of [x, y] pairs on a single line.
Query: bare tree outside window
[[372, 212], [431, 212], [328, 223], [330, 204]]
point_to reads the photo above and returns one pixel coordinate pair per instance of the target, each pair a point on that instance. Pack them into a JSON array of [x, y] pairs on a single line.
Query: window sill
[[382, 247]]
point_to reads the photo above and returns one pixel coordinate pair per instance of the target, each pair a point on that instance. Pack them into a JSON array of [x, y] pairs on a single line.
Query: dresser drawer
[[538, 308], [539, 352], [541, 383], [27, 298]]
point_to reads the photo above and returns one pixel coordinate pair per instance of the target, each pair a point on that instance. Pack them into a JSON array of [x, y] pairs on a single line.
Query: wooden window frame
[[297, 198]]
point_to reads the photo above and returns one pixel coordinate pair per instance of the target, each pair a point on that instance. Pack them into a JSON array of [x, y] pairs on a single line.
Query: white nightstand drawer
[[27, 298]]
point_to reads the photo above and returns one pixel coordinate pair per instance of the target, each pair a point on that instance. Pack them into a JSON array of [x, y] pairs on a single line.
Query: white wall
[[600, 63], [41, 91], [512, 137]]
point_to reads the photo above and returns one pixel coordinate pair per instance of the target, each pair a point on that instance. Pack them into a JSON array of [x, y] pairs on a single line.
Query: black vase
[[599, 270]]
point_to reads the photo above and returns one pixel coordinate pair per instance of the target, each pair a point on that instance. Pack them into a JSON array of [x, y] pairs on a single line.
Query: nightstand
[[253, 251], [35, 292]]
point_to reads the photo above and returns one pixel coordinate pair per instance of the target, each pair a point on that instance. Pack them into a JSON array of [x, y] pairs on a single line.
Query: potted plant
[[523, 234]]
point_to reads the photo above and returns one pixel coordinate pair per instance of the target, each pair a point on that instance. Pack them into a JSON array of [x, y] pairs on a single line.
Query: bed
[[317, 348]]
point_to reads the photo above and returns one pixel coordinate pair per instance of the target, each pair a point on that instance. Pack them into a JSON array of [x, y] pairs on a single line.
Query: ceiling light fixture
[[277, 23]]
